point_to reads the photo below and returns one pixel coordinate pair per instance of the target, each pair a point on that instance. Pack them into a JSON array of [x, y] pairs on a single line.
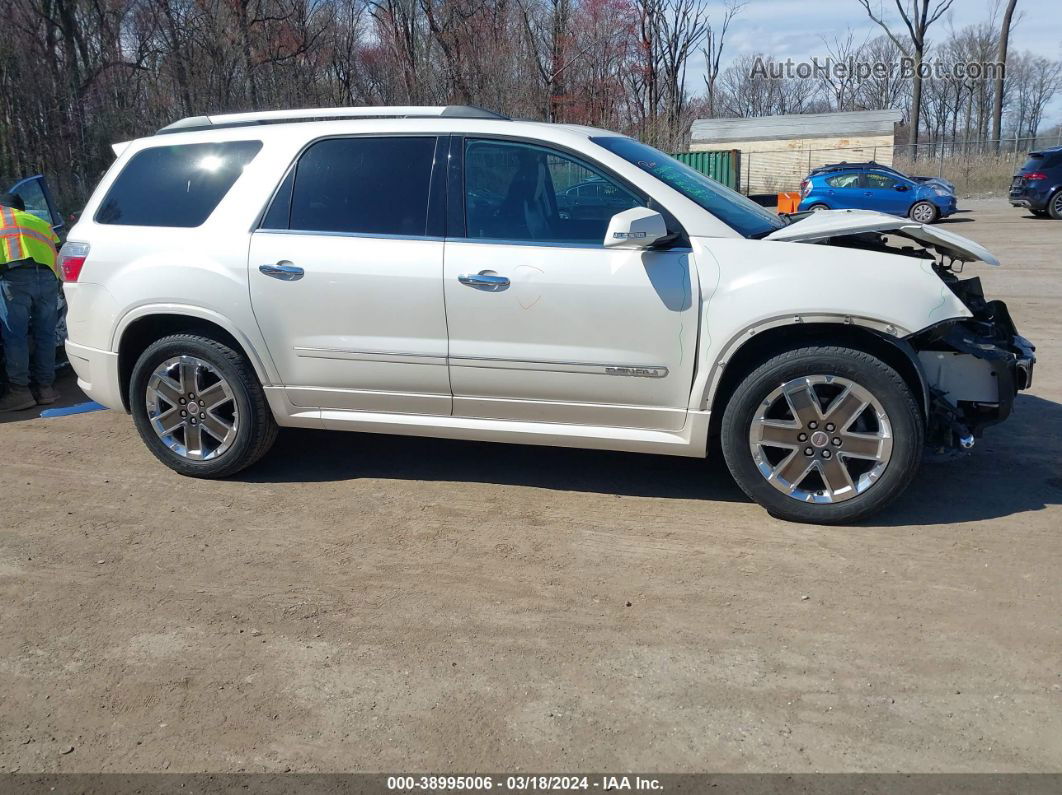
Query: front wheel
[[823, 434], [199, 407], [924, 212]]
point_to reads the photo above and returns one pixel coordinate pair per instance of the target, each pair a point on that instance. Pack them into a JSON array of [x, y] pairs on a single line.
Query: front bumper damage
[[973, 368]]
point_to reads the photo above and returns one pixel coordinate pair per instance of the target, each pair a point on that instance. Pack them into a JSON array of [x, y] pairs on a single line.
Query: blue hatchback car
[[876, 189]]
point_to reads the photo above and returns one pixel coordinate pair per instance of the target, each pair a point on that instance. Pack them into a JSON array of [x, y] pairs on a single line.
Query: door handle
[[283, 270], [484, 279]]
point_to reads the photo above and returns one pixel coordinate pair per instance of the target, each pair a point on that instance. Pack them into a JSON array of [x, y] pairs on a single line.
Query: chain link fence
[[975, 166]]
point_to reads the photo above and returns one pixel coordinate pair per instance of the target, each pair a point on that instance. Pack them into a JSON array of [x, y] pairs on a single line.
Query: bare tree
[[841, 84], [1001, 61], [917, 16], [714, 41], [884, 88]]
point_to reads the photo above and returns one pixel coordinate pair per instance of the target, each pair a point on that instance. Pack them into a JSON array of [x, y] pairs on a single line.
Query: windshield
[[729, 206]]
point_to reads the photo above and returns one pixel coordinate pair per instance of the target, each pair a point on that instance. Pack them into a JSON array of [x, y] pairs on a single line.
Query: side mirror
[[638, 227], [901, 188]]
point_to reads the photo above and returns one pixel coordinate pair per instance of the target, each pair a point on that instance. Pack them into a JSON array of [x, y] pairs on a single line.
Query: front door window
[[524, 193]]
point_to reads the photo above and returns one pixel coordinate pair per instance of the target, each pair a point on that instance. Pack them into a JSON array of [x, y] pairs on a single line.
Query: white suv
[[430, 271]]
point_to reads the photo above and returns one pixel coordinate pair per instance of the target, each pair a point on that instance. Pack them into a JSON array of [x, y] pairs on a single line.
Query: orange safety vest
[[25, 236]]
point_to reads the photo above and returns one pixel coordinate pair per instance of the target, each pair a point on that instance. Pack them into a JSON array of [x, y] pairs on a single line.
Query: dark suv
[[1038, 185]]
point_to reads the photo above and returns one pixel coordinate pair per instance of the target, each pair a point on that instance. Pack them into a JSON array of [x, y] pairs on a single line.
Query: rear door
[[346, 277], [545, 323], [844, 191]]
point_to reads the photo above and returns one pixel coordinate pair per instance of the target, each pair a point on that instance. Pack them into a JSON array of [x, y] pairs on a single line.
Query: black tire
[[934, 215], [859, 367], [1054, 206], [256, 430], [816, 207]]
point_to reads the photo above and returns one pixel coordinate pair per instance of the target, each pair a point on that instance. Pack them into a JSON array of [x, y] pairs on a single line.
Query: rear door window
[[35, 195], [849, 180], [175, 185], [366, 186]]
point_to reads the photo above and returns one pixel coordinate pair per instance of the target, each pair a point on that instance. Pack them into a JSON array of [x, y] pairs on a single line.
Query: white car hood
[[837, 223]]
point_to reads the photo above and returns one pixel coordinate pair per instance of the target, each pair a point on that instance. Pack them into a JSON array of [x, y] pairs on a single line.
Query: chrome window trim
[[364, 235], [550, 244], [476, 241]]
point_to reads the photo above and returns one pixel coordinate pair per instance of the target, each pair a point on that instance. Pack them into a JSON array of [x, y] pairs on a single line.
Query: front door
[[888, 193], [545, 323], [346, 281]]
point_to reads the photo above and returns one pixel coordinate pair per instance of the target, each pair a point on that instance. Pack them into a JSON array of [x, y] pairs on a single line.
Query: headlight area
[[973, 367]]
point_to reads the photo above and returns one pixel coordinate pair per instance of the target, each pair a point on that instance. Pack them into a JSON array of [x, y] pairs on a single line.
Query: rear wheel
[[1054, 207], [199, 407], [818, 208], [924, 212], [823, 434]]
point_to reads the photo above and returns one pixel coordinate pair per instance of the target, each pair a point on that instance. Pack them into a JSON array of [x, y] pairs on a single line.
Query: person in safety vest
[[29, 295]]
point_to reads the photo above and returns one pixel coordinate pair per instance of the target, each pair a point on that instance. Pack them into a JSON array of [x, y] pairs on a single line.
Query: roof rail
[[193, 123]]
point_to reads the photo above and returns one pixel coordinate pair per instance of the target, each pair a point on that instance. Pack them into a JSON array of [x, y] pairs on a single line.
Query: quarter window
[[175, 185], [527, 193], [370, 186]]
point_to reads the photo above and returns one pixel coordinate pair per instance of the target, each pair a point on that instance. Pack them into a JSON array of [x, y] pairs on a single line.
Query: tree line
[[78, 75]]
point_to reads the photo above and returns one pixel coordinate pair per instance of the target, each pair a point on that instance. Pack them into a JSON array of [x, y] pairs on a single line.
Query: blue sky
[[795, 28]]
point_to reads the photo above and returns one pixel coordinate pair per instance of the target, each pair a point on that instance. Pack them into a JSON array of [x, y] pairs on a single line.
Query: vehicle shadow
[[949, 221], [304, 455], [1014, 469]]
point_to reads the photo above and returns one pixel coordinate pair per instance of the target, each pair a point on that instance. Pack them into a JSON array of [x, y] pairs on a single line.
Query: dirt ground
[[365, 603]]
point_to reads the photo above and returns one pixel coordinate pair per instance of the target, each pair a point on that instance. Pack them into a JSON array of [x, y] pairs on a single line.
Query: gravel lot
[[364, 603]]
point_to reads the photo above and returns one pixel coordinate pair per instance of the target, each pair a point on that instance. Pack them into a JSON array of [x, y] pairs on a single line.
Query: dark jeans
[[29, 307]]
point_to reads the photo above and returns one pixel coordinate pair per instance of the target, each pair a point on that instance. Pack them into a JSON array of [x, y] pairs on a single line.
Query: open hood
[[838, 223]]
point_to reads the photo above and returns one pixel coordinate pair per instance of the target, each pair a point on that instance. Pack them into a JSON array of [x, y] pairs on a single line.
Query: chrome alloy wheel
[[191, 408], [923, 213], [821, 439]]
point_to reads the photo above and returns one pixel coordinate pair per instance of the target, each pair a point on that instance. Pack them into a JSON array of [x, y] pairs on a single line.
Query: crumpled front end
[[974, 367]]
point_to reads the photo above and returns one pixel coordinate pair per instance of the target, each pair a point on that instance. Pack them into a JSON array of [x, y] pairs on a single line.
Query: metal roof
[[795, 125]]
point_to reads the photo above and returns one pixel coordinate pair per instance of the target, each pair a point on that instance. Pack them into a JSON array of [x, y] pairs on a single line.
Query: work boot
[[17, 398], [46, 395]]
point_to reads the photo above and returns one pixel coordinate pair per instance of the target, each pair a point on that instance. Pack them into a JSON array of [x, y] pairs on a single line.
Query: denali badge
[[638, 372]]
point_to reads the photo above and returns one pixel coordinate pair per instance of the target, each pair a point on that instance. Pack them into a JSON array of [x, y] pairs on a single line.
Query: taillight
[[1034, 175], [72, 258], [805, 187]]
